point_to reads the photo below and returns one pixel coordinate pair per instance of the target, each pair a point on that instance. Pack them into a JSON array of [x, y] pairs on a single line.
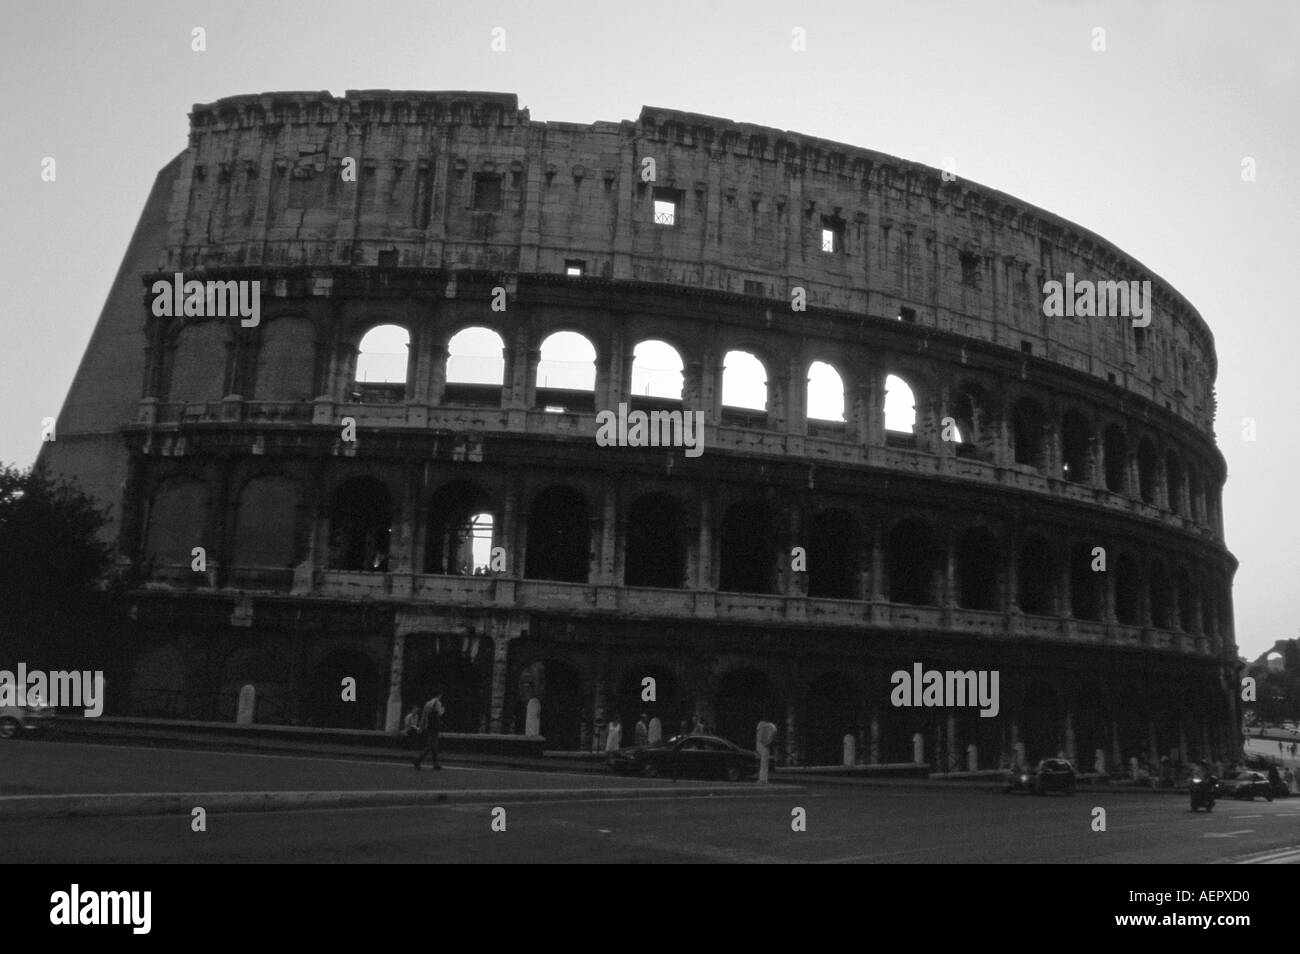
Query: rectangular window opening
[[575, 267], [487, 192], [1027, 347], [667, 203]]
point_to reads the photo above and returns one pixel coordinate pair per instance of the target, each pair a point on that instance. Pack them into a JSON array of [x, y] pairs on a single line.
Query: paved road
[[846, 822]]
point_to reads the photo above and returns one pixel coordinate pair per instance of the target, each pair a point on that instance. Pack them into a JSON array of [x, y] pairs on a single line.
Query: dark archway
[[748, 549], [559, 536], [1160, 596], [1085, 584], [458, 538], [912, 563], [1076, 441], [465, 685], [832, 549], [1029, 423], [326, 704], [1043, 726], [1146, 461], [1115, 450], [1128, 591], [668, 704], [656, 546], [1037, 577], [978, 559], [361, 519], [564, 707], [744, 697], [832, 707]]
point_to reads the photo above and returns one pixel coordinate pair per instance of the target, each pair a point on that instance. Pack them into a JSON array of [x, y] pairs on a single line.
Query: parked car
[[687, 756], [1051, 775], [1246, 785], [32, 719]]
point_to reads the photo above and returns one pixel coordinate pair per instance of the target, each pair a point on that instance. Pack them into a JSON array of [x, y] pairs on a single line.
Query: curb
[[161, 803]]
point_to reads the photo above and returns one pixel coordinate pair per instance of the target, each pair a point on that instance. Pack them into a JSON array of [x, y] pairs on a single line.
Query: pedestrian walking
[[430, 728], [614, 735], [642, 730], [411, 728]]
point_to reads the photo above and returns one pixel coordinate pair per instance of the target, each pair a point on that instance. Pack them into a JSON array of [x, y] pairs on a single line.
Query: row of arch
[[749, 547], [1069, 443]]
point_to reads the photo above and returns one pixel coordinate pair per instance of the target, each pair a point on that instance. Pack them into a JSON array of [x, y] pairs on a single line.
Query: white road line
[[1228, 834]]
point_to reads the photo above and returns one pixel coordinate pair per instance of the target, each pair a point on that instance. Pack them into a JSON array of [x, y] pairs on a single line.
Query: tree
[[54, 609]]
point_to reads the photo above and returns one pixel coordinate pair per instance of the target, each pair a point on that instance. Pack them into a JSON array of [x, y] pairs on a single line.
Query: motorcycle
[[1203, 789]]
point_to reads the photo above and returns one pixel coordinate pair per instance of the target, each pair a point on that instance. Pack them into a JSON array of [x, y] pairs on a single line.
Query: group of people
[[649, 730]]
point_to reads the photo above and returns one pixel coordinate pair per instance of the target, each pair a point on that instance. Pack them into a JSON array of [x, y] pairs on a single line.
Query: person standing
[[763, 736], [430, 728], [614, 735], [656, 731], [642, 730]]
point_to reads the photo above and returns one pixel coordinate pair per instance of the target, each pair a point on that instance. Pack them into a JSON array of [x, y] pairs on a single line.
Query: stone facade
[[328, 557]]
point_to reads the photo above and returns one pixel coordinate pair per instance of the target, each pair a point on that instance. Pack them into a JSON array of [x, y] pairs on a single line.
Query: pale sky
[[1142, 143]]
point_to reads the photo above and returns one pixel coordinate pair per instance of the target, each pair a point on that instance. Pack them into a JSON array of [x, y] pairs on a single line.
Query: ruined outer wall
[[105, 392], [260, 184]]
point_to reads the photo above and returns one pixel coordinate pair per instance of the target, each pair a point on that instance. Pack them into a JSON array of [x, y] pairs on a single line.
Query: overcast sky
[[1142, 143]]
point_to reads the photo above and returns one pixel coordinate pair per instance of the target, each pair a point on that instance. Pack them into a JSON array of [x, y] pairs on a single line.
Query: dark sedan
[[1246, 785], [687, 756], [1052, 775]]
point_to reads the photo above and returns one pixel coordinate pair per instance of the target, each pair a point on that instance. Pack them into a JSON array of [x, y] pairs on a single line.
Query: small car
[[1246, 785], [32, 719], [1051, 775], [687, 756]]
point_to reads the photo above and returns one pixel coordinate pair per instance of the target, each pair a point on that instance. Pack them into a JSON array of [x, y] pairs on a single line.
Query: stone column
[[604, 569], [873, 753], [1069, 734], [877, 563], [705, 579], [496, 709], [432, 384], [393, 715]]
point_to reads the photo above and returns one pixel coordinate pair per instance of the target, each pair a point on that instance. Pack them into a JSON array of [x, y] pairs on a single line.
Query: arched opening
[[1187, 619], [1115, 448], [563, 707], [833, 558], [1161, 599], [330, 702], [1076, 438], [656, 547], [360, 525], [559, 536], [744, 390], [1195, 505], [832, 708], [476, 368], [1085, 583], [912, 564], [978, 560], [1043, 727], [463, 679], [285, 365], [382, 358], [1037, 577], [265, 524], [1146, 461], [178, 515], [630, 703], [458, 538], [1090, 727], [1174, 480], [748, 548], [198, 363], [743, 699], [657, 375], [1029, 423], [1128, 591], [1209, 611], [825, 393], [900, 406], [566, 373]]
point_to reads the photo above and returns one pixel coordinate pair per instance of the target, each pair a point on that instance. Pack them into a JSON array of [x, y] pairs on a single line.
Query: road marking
[[1283, 856], [1247, 816], [1228, 834]]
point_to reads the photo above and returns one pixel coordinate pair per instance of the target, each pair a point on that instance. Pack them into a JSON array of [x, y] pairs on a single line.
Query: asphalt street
[[846, 821]]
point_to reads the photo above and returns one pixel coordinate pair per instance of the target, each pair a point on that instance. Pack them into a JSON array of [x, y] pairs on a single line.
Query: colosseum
[[391, 472]]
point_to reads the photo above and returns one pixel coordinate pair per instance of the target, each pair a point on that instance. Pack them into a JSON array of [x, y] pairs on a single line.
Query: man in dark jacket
[[430, 727]]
